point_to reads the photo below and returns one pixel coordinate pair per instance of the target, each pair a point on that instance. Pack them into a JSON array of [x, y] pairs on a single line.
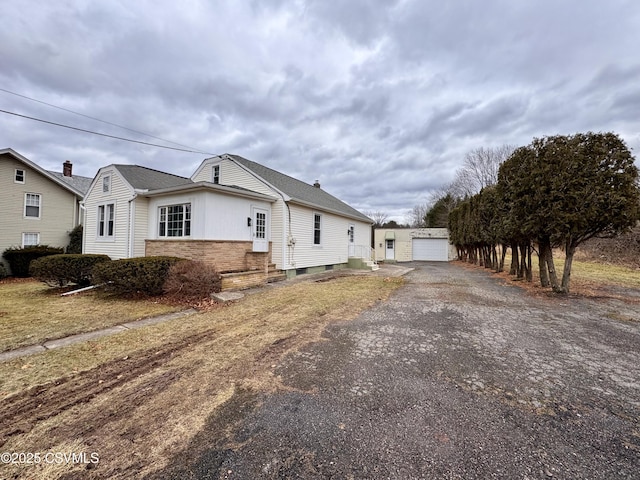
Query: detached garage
[[407, 244], [430, 249]]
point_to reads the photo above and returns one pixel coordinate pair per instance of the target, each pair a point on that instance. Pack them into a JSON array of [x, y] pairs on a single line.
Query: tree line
[[558, 191]]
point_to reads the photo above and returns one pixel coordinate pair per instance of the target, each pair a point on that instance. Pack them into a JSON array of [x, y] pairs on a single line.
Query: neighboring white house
[[407, 244], [233, 213], [37, 206]]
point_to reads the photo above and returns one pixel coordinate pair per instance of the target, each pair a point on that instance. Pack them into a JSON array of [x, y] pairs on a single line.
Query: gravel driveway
[[456, 376]]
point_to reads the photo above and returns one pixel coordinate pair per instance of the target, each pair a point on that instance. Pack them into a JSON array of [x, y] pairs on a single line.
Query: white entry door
[[390, 250], [352, 240], [259, 229]]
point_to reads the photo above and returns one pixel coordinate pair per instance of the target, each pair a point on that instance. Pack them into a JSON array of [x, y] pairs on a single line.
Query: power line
[[105, 135], [90, 117]]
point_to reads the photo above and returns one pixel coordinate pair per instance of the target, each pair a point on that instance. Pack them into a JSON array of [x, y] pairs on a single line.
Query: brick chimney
[[66, 168], [317, 184]]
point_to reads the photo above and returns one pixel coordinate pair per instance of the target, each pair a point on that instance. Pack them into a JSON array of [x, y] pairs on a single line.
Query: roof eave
[[210, 187], [362, 218], [42, 171]]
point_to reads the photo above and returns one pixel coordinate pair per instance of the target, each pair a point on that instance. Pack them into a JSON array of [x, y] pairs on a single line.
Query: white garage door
[[434, 249]]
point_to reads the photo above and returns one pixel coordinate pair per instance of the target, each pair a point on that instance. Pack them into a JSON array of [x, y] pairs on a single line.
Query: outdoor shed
[[408, 244]]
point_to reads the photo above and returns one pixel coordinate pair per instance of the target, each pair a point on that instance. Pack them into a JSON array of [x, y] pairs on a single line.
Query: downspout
[[131, 226], [83, 221]]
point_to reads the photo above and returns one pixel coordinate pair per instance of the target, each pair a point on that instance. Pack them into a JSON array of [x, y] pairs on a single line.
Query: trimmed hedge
[[75, 240], [144, 275], [3, 271], [59, 270], [20, 258]]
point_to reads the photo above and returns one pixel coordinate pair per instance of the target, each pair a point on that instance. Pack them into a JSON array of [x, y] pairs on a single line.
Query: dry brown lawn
[[32, 313], [138, 397]]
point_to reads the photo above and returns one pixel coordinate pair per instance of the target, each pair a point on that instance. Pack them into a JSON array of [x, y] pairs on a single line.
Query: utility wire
[[105, 135], [92, 118]]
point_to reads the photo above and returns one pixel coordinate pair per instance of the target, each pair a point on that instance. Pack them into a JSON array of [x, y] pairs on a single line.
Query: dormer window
[[106, 184], [19, 178], [216, 174]]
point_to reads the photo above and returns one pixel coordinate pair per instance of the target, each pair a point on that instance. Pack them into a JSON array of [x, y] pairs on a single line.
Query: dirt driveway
[[456, 376]]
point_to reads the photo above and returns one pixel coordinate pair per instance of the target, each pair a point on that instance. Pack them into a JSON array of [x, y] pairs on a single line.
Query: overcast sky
[[378, 100]]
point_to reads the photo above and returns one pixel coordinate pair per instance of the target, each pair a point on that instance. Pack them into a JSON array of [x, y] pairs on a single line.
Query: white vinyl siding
[[141, 215], [231, 174], [58, 206], [119, 196], [334, 247], [214, 216]]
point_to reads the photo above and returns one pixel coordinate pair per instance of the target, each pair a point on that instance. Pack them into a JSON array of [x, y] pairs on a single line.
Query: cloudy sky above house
[[378, 100]]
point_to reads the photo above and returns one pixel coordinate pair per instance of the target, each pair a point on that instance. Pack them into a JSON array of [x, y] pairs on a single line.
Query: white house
[[236, 214]]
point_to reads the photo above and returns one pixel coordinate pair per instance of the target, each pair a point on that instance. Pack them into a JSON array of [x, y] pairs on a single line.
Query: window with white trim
[[174, 221], [352, 233], [106, 220], [30, 239], [19, 176], [32, 205], [216, 174], [317, 226], [106, 184]]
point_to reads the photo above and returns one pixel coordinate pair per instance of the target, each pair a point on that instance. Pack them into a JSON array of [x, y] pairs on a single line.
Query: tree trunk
[[503, 253], [553, 277], [522, 269], [529, 272], [514, 259], [566, 274], [542, 262]]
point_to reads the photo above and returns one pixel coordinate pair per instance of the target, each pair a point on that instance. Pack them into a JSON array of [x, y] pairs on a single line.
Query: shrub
[[144, 275], [20, 258], [58, 270], [75, 240], [192, 280], [3, 271]]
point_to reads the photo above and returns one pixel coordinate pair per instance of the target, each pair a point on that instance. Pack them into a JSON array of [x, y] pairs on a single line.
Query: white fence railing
[[362, 251]]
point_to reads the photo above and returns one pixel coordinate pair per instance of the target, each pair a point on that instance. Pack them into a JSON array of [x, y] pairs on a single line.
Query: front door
[[389, 252], [352, 240], [259, 230]]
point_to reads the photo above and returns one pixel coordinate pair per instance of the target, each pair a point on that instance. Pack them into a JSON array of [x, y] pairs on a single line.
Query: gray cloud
[[378, 100]]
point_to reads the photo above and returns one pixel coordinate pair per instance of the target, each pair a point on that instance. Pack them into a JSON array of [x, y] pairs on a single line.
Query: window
[[175, 221], [352, 231], [30, 239], [106, 216], [317, 223], [261, 225], [19, 178], [106, 184], [32, 205], [216, 174]]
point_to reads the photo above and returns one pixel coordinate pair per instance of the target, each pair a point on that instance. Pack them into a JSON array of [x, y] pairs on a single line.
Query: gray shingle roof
[[81, 184], [143, 178], [300, 191]]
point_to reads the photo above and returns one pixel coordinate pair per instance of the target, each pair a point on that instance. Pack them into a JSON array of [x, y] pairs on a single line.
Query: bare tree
[[378, 217], [416, 216], [480, 170]]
